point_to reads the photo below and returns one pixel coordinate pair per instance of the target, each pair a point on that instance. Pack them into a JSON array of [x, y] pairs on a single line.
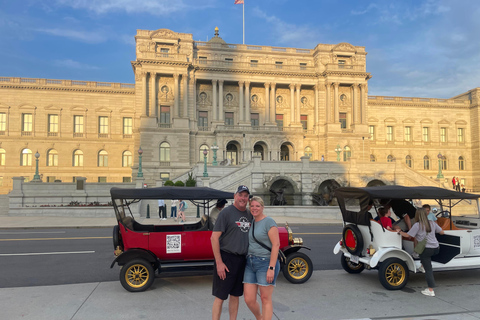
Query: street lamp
[[140, 173], [214, 148], [36, 177], [440, 158], [338, 150], [205, 173]]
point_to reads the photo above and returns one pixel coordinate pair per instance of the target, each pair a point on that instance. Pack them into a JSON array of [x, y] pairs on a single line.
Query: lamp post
[[338, 150], [140, 173], [36, 176], [440, 158], [205, 173], [215, 149]]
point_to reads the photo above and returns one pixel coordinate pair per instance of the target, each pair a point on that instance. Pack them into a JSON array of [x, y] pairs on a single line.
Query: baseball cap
[[242, 188]]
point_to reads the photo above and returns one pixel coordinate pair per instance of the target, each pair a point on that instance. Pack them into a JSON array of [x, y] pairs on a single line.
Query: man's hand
[[222, 270]]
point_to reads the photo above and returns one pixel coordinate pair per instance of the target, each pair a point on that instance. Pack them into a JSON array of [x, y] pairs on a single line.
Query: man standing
[[162, 211], [230, 245]]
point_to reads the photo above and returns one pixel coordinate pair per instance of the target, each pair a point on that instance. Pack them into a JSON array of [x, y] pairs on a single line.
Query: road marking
[[41, 253], [32, 232], [73, 238], [317, 233]]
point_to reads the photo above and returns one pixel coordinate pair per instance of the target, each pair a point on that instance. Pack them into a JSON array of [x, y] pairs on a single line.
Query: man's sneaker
[[421, 269], [429, 293]]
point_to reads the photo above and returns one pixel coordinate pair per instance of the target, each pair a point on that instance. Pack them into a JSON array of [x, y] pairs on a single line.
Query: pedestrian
[[323, 158], [230, 245], [162, 210], [215, 211], [173, 209], [426, 229], [463, 188], [430, 214], [458, 184], [182, 205], [262, 266], [454, 182]]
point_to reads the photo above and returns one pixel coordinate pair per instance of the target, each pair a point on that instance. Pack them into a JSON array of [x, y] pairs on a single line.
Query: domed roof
[[217, 39]]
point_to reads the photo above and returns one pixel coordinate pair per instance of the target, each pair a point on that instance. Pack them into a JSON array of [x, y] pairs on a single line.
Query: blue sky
[[416, 48]]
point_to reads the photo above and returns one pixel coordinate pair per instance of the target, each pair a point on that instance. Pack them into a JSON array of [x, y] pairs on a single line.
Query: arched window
[[444, 163], [426, 163], [164, 152], [103, 158], [232, 153], [408, 161], [78, 158], [52, 158], [258, 150], [390, 158], [203, 147], [126, 159], [461, 163], [372, 158], [347, 153], [2, 157], [26, 159], [308, 152]]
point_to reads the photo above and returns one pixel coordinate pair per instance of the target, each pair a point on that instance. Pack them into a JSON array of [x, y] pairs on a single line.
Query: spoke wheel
[[352, 239], [298, 268], [351, 267], [393, 274], [137, 275]]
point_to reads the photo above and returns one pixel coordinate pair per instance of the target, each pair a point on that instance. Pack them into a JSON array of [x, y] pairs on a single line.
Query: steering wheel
[[444, 214]]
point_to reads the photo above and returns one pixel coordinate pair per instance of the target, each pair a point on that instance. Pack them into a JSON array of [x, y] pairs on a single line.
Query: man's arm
[[408, 221], [221, 267]]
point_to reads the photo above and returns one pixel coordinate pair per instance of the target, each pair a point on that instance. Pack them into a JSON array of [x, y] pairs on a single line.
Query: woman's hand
[[270, 275]]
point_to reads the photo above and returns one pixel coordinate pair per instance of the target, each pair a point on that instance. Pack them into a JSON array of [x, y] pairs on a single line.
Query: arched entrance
[[375, 183], [259, 149], [232, 153], [281, 193], [325, 195], [286, 152]]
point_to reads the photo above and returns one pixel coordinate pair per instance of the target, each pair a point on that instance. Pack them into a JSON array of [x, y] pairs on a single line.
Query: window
[[278, 64], [444, 163], [202, 60], [443, 134], [53, 123], [27, 122], [254, 63], [78, 125], [126, 159], [371, 130], [304, 121], [408, 161], [341, 62], [52, 158], [3, 121], [2, 157], [343, 120], [303, 66], [102, 179], [347, 153], [372, 158], [127, 179], [426, 163], [229, 118], [203, 119], [389, 133], [229, 61], [26, 159], [127, 126], [51, 179], [425, 133], [461, 163], [255, 119], [308, 152], [203, 147], [164, 52], [164, 152], [408, 134], [103, 125], [390, 158], [1, 181], [164, 116], [460, 135], [103, 158], [78, 158], [279, 120], [164, 176]]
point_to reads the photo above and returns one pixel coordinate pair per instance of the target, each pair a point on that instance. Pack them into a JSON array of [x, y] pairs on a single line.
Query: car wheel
[[116, 237], [298, 268], [352, 239], [137, 275], [393, 274], [351, 267]]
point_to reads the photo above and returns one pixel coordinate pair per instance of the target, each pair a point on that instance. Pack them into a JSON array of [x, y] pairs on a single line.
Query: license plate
[[354, 259]]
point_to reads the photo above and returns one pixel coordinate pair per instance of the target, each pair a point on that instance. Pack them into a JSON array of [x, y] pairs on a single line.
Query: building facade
[[236, 102]]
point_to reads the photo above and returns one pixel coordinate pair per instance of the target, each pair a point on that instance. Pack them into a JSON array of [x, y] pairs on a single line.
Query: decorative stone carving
[[344, 46]]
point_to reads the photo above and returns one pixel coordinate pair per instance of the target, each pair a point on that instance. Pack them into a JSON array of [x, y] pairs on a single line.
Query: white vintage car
[[366, 244]]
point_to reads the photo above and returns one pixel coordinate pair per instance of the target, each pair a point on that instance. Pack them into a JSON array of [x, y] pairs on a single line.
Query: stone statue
[[279, 199], [326, 193]]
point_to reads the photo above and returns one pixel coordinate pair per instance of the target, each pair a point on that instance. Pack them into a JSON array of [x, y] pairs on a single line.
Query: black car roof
[[166, 193]]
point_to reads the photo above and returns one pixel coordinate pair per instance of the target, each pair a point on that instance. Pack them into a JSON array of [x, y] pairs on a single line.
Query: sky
[[416, 48]]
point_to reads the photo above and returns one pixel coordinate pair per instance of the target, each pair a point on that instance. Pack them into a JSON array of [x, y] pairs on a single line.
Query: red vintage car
[[141, 249]]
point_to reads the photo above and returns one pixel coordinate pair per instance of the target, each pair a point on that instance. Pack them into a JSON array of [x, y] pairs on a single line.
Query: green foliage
[[169, 183], [191, 182], [179, 184]]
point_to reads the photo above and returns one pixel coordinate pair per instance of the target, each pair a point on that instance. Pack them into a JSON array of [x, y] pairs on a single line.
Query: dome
[[217, 39]]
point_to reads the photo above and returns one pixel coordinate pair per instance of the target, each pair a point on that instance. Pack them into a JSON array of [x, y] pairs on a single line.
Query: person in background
[[422, 229], [457, 187], [385, 219], [454, 183], [218, 207], [162, 210], [173, 210], [430, 215], [405, 211], [181, 210]]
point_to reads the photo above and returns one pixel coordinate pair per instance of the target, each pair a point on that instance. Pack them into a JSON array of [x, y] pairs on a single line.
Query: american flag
[[238, 2]]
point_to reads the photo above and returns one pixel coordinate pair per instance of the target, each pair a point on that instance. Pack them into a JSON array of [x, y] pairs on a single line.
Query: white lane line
[[42, 253], [33, 232]]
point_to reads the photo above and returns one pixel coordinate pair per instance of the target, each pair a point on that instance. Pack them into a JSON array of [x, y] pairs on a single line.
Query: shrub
[[179, 184], [191, 182], [169, 183]]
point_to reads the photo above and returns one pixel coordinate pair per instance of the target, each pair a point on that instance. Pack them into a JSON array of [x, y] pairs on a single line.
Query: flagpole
[[243, 21]]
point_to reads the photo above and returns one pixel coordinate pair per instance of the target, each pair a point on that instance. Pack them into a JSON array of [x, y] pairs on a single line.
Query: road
[[39, 257]]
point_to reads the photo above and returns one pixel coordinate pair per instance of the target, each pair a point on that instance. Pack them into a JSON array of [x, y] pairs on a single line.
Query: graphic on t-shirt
[[174, 243], [243, 224]]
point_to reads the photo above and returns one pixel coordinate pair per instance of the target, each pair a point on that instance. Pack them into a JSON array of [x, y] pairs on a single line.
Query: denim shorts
[[256, 271]]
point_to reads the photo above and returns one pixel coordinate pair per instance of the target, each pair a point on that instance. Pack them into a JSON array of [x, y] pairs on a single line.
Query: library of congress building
[[279, 104]]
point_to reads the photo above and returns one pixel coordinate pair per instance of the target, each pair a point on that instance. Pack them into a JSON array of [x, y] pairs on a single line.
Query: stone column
[[176, 96], [153, 102], [273, 102], [214, 99], [292, 103], [144, 96], [297, 116], [354, 104], [185, 95], [193, 82], [336, 116], [240, 101], [363, 114], [221, 115], [315, 120], [328, 108], [247, 102], [267, 104]]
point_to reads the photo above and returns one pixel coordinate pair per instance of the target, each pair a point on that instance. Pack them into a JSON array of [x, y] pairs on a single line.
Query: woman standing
[[173, 205], [181, 210], [262, 266], [422, 229]]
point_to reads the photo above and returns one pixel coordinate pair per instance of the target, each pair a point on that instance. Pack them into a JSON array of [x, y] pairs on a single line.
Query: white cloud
[[84, 36], [154, 7], [72, 64]]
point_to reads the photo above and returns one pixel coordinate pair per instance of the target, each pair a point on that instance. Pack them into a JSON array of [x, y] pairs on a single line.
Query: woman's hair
[[421, 217], [258, 199]]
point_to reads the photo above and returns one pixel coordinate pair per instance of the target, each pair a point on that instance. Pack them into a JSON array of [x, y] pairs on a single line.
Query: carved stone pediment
[[164, 33], [344, 46]]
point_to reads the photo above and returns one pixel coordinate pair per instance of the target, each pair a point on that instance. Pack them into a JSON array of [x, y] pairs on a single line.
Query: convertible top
[[167, 193]]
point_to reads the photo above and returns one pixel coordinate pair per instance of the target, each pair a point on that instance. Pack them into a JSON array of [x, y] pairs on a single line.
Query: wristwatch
[[271, 268]]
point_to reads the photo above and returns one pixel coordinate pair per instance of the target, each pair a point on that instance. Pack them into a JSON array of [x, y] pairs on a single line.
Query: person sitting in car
[[385, 219], [405, 211]]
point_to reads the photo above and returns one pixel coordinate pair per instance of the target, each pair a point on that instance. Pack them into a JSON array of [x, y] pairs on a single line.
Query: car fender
[[134, 254], [337, 248], [291, 249], [385, 253]]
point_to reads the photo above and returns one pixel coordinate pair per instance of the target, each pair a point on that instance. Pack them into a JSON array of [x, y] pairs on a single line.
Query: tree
[[191, 182]]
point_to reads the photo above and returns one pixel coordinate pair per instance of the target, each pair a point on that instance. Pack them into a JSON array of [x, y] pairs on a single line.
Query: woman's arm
[[275, 240]]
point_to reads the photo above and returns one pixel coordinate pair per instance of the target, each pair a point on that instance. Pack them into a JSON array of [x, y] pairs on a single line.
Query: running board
[[187, 264]]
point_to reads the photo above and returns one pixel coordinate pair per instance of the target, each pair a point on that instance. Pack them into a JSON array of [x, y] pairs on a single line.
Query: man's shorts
[[256, 271], [233, 283]]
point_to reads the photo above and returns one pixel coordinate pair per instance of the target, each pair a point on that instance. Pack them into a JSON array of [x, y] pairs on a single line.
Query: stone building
[[235, 101]]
